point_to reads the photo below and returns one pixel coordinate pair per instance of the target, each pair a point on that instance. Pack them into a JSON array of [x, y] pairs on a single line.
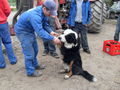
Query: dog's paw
[[94, 79], [66, 77]]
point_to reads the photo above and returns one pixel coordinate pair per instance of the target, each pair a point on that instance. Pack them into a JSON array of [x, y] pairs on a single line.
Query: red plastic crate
[[111, 47]]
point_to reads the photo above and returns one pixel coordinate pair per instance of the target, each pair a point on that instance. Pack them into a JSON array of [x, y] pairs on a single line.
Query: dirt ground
[[104, 67]]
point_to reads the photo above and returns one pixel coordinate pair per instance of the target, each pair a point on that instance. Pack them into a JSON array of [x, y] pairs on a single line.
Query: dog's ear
[[70, 38]]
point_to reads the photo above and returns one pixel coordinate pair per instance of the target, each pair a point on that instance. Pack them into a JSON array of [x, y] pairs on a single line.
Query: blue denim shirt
[[34, 20], [86, 13]]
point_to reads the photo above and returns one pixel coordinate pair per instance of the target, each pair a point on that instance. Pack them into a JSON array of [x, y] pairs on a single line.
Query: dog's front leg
[[69, 74]]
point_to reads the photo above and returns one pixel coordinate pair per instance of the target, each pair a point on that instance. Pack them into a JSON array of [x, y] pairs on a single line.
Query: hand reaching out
[[54, 34], [56, 40]]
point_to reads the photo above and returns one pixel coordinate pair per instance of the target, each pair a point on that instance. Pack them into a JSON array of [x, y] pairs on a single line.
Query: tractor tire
[[98, 16]]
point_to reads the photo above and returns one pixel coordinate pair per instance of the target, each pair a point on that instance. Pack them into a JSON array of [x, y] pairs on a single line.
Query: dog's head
[[69, 38]]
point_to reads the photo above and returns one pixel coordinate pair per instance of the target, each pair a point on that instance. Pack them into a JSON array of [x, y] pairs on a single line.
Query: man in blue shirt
[[35, 20], [79, 18]]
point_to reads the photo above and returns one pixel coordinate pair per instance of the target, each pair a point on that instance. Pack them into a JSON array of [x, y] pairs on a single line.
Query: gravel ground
[[104, 67]]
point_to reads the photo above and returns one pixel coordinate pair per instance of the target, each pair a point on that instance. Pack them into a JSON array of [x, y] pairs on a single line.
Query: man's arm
[[37, 25], [49, 27]]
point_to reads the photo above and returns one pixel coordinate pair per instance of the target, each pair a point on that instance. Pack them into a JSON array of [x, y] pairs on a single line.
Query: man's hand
[[54, 34], [56, 40]]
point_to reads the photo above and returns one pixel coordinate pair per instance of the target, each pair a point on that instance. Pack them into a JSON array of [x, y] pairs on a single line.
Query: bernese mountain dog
[[71, 55]]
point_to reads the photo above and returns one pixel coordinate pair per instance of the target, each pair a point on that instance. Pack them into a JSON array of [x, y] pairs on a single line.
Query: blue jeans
[[82, 30], [30, 51], [116, 35], [6, 40], [48, 45]]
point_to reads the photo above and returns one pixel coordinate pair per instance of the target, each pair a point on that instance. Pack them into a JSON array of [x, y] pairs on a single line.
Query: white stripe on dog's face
[[63, 39], [68, 31]]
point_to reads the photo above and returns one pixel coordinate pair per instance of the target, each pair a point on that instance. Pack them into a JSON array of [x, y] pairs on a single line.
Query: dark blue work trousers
[[82, 30], [117, 32]]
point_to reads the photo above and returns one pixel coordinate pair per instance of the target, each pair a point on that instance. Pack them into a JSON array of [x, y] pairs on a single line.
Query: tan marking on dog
[[69, 74]]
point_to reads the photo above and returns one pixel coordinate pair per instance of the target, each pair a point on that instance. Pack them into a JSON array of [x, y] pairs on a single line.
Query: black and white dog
[[71, 55]]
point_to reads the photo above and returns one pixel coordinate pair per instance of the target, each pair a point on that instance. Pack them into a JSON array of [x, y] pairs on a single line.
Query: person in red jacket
[[5, 35]]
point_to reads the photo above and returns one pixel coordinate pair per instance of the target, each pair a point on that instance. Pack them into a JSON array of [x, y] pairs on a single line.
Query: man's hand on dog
[[56, 40], [54, 34]]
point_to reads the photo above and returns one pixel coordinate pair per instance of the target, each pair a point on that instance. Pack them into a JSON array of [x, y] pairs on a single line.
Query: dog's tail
[[88, 76]]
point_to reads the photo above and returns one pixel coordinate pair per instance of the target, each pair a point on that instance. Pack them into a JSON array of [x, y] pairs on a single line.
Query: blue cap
[[51, 5]]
